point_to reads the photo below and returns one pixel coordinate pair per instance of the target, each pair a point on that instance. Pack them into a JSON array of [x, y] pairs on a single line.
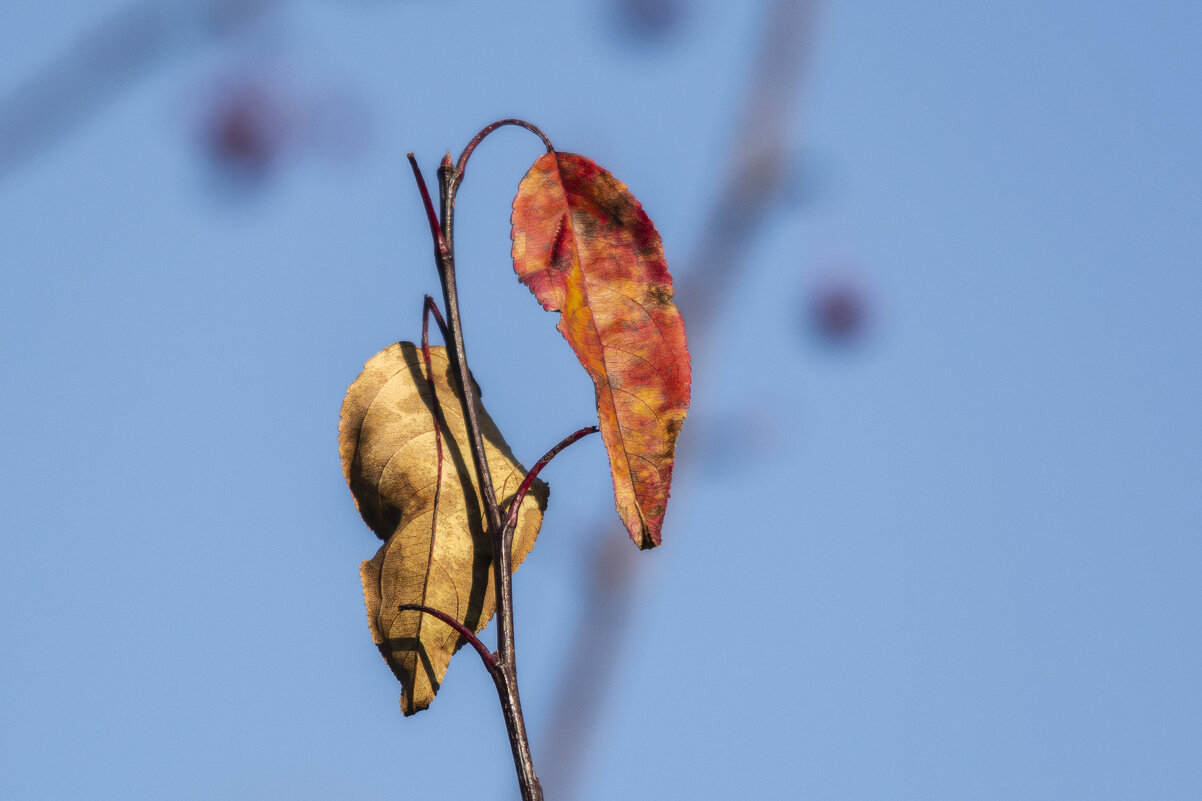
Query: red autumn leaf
[[586, 248]]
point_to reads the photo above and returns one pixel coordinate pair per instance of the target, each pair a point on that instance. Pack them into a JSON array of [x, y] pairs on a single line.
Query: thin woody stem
[[504, 671], [455, 349]]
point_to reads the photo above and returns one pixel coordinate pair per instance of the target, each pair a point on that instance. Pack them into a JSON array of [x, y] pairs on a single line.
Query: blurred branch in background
[[125, 46], [762, 151]]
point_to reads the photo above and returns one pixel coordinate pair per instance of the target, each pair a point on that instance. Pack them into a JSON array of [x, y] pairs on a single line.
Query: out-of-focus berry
[[648, 20], [247, 130], [838, 310]]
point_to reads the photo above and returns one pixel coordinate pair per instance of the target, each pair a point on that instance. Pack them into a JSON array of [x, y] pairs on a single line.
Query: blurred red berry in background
[[647, 20], [247, 129], [838, 310]]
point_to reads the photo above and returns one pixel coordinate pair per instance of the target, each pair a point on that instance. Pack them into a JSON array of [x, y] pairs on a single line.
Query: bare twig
[[504, 670]]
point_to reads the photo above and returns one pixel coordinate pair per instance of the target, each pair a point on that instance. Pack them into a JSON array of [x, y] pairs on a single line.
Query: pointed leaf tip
[[584, 246]]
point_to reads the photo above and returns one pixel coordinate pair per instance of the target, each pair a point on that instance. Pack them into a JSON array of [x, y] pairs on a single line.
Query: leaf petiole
[[511, 519], [490, 660], [428, 307], [461, 165]]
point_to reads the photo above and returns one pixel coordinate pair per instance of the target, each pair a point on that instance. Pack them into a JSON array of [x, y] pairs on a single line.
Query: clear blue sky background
[[960, 560]]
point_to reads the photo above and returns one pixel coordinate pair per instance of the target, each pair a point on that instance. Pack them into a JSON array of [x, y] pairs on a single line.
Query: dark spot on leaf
[[659, 294]]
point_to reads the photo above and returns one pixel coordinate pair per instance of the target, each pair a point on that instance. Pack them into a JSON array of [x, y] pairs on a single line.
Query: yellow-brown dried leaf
[[387, 444]]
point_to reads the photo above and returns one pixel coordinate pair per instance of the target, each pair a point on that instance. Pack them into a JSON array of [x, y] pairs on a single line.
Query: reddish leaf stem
[[511, 519], [461, 165], [429, 306], [441, 248], [490, 660], [456, 352]]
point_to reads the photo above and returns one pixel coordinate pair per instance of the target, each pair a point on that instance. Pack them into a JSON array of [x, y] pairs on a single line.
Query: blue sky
[[955, 559]]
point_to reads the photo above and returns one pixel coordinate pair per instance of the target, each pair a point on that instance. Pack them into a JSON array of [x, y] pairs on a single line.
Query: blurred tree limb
[[74, 86], [763, 149]]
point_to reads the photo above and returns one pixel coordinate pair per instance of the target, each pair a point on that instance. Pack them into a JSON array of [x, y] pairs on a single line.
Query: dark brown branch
[[505, 677], [456, 351], [504, 672]]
